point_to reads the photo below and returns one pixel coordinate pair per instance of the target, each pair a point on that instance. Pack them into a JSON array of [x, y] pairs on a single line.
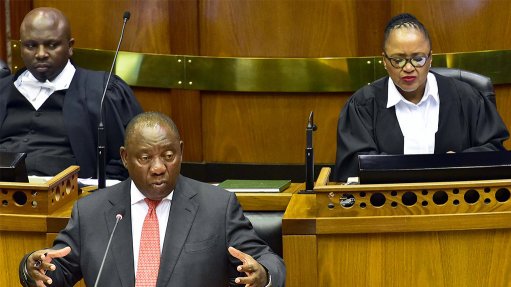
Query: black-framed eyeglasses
[[416, 61]]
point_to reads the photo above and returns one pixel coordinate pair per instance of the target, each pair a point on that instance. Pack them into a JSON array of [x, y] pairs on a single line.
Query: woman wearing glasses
[[412, 110]]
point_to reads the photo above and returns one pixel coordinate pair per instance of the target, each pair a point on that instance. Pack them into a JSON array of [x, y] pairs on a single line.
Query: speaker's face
[[153, 156], [407, 59]]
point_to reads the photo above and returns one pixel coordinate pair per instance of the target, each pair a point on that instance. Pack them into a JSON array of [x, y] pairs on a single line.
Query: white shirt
[[139, 210], [418, 122], [37, 92]]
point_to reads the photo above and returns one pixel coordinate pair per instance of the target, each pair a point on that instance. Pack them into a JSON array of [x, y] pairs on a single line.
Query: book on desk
[[249, 185]]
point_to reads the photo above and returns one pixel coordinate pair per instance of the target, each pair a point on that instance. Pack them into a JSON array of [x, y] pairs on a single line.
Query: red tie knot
[[152, 203]]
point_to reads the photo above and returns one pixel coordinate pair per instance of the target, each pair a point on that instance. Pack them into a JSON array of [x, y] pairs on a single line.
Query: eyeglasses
[[399, 63]]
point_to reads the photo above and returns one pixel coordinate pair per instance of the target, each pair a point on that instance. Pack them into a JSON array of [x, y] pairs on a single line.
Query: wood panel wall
[[270, 127], [3, 36]]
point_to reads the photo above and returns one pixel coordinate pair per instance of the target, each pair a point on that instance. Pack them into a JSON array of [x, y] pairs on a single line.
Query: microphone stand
[[118, 218], [309, 156], [101, 128]]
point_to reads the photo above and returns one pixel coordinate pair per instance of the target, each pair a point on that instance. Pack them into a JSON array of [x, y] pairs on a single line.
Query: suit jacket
[[467, 121], [204, 220], [81, 117]]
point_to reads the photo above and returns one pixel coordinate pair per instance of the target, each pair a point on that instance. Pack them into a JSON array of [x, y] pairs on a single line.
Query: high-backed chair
[[4, 69], [268, 226], [478, 81]]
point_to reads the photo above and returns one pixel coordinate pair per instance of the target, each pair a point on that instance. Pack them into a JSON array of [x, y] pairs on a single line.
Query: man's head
[[152, 153], [46, 43], [407, 54]]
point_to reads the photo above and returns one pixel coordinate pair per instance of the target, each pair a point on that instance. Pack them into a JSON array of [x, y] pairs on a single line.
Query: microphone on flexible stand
[[309, 156], [101, 127], [118, 217]]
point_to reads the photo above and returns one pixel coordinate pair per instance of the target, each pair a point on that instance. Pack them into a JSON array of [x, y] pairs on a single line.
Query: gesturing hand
[[40, 261], [256, 274]]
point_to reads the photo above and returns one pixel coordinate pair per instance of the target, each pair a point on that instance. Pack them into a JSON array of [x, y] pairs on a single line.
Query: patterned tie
[[149, 254]]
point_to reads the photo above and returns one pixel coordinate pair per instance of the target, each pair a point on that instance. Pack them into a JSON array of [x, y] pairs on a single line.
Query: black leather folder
[[434, 167], [12, 167]]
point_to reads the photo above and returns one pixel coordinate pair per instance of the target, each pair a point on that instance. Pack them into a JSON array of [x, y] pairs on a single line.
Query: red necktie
[[149, 254]]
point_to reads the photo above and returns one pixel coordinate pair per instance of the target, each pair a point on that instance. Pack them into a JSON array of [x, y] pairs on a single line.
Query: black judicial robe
[[468, 121], [81, 117]]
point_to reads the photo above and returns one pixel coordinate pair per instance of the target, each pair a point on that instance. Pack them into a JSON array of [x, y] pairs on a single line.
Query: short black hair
[[404, 20], [149, 119]]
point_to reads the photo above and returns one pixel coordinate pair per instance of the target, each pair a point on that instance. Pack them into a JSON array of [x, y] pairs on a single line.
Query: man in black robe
[[413, 110], [50, 109]]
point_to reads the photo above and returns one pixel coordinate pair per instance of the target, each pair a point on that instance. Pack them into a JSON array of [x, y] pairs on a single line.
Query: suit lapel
[[121, 247], [182, 215]]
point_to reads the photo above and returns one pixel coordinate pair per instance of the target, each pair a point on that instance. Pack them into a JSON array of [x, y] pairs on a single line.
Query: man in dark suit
[[205, 239]]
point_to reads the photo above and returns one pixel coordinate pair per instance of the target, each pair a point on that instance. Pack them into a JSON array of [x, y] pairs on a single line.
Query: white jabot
[[418, 122], [138, 212], [37, 92]]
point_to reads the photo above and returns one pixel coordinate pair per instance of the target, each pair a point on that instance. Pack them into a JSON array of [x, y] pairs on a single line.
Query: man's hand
[[256, 274], [40, 261]]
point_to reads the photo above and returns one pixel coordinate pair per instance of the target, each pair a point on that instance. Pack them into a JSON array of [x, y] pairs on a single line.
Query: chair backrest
[[478, 81], [268, 226], [4, 69]]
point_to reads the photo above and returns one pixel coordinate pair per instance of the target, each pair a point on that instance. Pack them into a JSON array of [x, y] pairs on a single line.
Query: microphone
[[309, 156], [101, 129], [118, 217]]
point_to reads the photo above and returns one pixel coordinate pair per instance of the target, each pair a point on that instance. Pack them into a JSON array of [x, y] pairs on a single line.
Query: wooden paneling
[[3, 39], [268, 128], [461, 258], [462, 25], [18, 10], [300, 255], [14, 245], [183, 27], [97, 24], [289, 28]]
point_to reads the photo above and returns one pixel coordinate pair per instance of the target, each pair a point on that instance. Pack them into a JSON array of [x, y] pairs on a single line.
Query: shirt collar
[[431, 90], [61, 82], [137, 196]]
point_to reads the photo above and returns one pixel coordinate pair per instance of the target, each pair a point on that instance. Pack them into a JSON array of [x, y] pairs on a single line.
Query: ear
[[383, 60], [124, 156], [71, 44]]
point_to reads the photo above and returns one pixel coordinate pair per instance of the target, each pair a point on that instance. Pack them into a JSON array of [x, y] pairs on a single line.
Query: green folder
[[243, 185]]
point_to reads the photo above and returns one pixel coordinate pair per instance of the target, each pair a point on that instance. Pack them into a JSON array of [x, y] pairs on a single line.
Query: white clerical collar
[[61, 82], [431, 90]]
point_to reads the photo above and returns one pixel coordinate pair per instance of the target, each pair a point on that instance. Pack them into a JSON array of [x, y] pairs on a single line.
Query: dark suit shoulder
[[6, 82], [109, 195]]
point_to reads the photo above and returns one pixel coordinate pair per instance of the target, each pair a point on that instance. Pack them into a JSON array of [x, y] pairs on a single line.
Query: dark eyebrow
[[405, 55]]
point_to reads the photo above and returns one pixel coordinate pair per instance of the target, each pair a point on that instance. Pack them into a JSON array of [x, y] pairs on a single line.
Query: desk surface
[[57, 220]]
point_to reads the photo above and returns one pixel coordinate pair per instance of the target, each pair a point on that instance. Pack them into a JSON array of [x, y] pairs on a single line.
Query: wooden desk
[[464, 241], [21, 234]]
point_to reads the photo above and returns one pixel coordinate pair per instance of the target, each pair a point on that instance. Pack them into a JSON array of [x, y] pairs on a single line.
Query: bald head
[[46, 17], [46, 43]]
